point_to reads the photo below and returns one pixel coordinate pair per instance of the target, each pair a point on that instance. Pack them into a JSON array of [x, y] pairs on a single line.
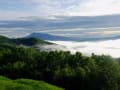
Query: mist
[[109, 47]]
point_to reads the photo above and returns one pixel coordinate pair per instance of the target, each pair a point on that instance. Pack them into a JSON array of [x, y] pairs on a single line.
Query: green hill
[[29, 41], [6, 41], [21, 41], [25, 84]]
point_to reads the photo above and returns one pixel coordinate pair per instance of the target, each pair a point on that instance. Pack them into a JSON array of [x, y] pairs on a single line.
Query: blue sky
[[13, 5], [11, 9]]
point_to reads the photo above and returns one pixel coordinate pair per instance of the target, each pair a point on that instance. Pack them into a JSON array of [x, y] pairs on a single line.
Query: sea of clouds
[[109, 47]]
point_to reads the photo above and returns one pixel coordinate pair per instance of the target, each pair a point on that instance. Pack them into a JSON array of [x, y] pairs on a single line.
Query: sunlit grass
[[25, 84]]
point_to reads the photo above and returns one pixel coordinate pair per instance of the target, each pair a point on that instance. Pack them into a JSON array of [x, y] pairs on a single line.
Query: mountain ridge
[[45, 36]]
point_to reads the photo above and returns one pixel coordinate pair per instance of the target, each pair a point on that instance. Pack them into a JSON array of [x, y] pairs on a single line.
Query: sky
[[11, 9], [80, 19]]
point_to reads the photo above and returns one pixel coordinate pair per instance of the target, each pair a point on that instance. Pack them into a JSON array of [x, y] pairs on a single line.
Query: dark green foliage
[[21, 41], [61, 68], [29, 41], [6, 41]]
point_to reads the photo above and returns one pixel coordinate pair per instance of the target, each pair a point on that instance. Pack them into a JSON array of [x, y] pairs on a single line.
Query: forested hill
[[21, 41], [63, 69]]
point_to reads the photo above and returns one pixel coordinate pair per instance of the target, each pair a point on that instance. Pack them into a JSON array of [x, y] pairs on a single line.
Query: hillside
[[34, 42], [25, 84], [22, 41], [5, 40], [70, 71], [29, 41]]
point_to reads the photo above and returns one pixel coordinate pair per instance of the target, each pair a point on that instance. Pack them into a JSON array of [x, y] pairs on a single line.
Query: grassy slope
[[25, 84]]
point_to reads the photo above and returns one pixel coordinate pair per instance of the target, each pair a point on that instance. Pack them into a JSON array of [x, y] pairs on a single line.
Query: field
[[25, 84]]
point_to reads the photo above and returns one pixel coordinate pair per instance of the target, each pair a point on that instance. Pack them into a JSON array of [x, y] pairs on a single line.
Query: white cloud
[[47, 8], [11, 15], [99, 48], [100, 7], [78, 7]]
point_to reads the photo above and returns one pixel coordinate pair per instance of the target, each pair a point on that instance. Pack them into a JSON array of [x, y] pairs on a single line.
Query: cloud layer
[[99, 48], [80, 27]]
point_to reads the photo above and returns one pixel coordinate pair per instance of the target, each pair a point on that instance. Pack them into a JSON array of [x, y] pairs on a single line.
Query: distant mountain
[[45, 36], [62, 38]]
